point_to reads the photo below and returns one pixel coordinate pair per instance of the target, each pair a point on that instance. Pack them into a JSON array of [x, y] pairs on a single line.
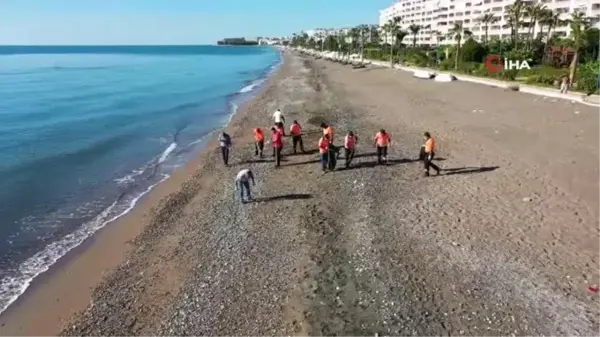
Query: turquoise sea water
[[86, 131]]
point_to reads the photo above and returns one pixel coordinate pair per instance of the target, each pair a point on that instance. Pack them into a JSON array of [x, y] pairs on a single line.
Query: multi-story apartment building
[[437, 17], [325, 32]]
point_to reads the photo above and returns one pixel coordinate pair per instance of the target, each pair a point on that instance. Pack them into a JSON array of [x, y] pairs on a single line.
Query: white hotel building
[[440, 15]]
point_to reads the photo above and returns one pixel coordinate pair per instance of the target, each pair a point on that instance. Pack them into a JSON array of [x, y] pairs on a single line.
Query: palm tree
[[414, 30], [515, 13], [362, 31], [487, 20], [374, 34], [391, 29], [320, 38], [354, 35], [533, 12], [400, 35], [579, 25], [551, 20], [458, 32]]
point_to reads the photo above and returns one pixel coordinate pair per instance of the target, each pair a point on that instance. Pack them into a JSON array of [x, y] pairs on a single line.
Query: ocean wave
[[12, 287], [251, 86], [166, 153], [133, 184]]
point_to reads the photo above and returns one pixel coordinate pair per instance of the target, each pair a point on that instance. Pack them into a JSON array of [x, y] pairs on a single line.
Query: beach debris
[[594, 288], [577, 112], [526, 199], [496, 131]]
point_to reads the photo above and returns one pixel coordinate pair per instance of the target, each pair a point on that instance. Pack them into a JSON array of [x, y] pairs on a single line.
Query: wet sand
[[504, 242]]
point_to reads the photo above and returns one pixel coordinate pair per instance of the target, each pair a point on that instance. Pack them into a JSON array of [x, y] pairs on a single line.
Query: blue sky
[[27, 22]]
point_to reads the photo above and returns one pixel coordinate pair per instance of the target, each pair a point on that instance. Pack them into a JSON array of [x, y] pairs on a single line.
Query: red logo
[[494, 63]]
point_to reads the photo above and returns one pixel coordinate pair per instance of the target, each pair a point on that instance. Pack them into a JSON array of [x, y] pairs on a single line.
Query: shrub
[[482, 70], [416, 58], [542, 79], [588, 77], [447, 64], [472, 51], [468, 67], [519, 54], [509, 74]]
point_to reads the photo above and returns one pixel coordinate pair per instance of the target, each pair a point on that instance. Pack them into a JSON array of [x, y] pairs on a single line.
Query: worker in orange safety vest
[[382, 141]]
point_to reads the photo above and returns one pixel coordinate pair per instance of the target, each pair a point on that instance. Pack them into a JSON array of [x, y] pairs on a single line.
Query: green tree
[[400, 35], [515, 14], [414, 30], [391, 28], [472, 51], [458, 32], [579, 25], [374, 37], [363, 30], [487, 19], [534, 12]]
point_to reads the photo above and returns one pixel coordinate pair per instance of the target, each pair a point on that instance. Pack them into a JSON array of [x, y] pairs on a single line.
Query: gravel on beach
[[504, 242]]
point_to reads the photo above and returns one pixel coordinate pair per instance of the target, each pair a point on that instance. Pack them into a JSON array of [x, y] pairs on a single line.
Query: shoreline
[[66, 287]]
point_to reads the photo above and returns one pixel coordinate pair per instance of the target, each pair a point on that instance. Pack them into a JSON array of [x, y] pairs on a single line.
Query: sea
[[87, 131]]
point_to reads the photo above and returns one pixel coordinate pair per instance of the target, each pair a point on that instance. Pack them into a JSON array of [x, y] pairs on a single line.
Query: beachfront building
[[319, 33], [436, 17]]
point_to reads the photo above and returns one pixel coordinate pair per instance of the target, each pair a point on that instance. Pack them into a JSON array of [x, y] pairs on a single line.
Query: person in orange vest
[[328, 130], [280, 128], [382, 141], [277, 141], [259, 144], [429, 148], [296, 131], [349, 145], [324, 151]]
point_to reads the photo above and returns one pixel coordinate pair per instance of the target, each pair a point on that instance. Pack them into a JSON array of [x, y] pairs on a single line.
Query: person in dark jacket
[[277, 142], [225, 143]]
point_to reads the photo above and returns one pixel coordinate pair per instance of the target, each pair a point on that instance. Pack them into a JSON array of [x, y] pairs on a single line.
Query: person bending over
[[242, 182]]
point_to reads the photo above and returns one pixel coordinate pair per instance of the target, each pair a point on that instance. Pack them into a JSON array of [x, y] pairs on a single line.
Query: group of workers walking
[[329, 153]]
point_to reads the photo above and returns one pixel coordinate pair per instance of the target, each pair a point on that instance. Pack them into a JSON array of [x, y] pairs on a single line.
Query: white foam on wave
[[129, 178], [248, 88], [13, 287], [167, 152]]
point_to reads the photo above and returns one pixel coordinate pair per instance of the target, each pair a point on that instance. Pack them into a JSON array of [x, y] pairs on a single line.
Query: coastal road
[[504, 242]]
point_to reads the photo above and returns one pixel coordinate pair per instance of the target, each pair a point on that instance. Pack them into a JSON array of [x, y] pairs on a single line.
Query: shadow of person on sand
[[468, 170], [307, 152], [293, 196], [371, 164], [254, 161], [303, 163]]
